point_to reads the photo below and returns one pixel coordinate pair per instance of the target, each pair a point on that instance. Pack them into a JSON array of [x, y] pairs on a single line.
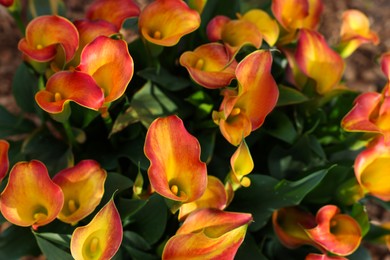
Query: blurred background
[[362, 71]]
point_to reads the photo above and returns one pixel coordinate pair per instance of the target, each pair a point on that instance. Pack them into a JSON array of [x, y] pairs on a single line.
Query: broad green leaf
[[134, 150], [150, 221], [128, 207], [280, 126], [11, 125], [207, 144], [359, 213], [360, 254], [59, 239], [164, 78], [16, 242], [148, 104], [47, 7], [136, 240], [52, 251], [24, 87], [290, 96], [249, 249], [266, 194], [115, 182]]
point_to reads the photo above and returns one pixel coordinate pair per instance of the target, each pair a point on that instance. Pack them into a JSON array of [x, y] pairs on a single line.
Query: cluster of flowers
[[88, 62]]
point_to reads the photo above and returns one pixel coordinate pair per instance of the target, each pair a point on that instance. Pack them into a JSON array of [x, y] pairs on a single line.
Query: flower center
[[39, 213], [57, 96], [72, 206], [245, 182], [94, 246], [39, 46], [235, 111], [199, 64], [157, 35]]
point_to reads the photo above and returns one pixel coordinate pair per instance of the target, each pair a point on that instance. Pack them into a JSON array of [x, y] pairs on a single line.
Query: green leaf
[[136, 246], [24, 87], [150, 221], [52, 251], [164, 78], [48, 7], [148, 104], [128, 207], [266, 194], [134, 150], [280, 126], [59, 239], [16, 242], [115, 182], [359, 213], [11, 125], [290, 96]]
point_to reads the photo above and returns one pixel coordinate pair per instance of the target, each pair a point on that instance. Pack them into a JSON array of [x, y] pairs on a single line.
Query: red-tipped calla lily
[[371, 109], [31, 198], [6, 3], [240, 112], [209, 65], [371, 169], [89, 31], [208, 234], [109, 63], [338, 233], [265, 24], [45, 34], [355, 31], [101, 238], [234, 33], [214, 197], [323, 257], [176, 171], [83, 188], [114, 12], [242, 164], [164, 22], [4, 162], [66, 86], [289, 224], [318, 61]]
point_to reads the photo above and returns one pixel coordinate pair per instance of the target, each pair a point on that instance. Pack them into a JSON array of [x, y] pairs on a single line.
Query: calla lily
[[164, 22], [338, 233], [323, 257], [6, 3], [176, 171], [265, 24], [109, 63], [208, 234], [66, 86], [240, 112], [4, 162], [289, 225], [214, 197], [370, 111], [114, 12], [101, 238], [209, 65], [234, 33], [318, 61], [89, 31], [83, 188], [355, 31], [242, 164], [45, 34], [370, 169], [30, 198]]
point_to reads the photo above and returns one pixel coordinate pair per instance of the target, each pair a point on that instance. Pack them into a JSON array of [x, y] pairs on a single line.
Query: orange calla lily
[[338, 233], [289, 224], [209, 65], [30, 198], [101, 238], [164, 22], [43, 36], [240, 112], [323, 257], [83, 188], [176, 171], [109, 63], [66, 86], [114, 12], [370, 111], [355, 31], [265, 24], [234, 33], [370, 169], [214, 197], [4, 162], [242, 164], [208, 234], [318, 61], [89, 31]]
